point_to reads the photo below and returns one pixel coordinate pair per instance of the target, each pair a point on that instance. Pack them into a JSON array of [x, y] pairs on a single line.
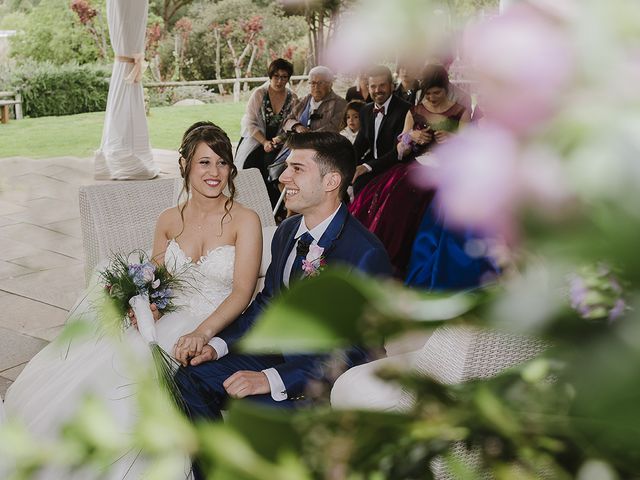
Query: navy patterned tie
[[302, 248]]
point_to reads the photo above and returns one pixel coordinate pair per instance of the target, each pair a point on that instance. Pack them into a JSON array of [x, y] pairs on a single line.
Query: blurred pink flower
[[477, 180], [484, 177], [523, 61]]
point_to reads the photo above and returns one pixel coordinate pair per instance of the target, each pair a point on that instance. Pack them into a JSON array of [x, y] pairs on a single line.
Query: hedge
[[48, 89]]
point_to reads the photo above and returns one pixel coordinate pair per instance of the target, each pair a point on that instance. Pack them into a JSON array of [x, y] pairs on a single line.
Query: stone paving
[[41, 255]]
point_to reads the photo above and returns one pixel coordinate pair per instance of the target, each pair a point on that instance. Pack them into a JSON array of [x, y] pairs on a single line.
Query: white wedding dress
[[51, 388]]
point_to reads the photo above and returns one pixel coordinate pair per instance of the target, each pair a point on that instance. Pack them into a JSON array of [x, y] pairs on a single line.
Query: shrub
[[162, 97], [52, 32], [49, 89]]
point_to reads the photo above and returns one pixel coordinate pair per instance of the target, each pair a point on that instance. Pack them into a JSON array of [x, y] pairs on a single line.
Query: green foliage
[[279, 33], [52, 33], [302, 319], [49, 89]]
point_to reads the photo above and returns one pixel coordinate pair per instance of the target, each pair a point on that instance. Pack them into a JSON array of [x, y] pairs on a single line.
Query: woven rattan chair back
[[120, 217]]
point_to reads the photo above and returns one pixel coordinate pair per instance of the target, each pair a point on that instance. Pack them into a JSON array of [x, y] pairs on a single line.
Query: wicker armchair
[[451, 355], [121, 216]]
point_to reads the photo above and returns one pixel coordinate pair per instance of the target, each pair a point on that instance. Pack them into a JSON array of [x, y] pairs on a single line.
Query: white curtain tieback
[[139, 66]]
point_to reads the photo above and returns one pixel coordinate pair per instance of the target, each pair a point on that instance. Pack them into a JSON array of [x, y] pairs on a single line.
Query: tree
[[242, 34], [169, 10], [53, 32], [92, 20], [322, 19]]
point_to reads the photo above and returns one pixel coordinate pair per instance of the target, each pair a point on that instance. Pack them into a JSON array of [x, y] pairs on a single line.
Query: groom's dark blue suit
[[347, 243]]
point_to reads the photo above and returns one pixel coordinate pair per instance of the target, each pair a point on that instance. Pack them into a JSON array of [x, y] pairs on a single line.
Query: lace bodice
[[209, 280]]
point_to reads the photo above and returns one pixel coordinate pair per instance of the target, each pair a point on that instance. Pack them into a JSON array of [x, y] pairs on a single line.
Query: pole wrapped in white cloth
[[125, 152]]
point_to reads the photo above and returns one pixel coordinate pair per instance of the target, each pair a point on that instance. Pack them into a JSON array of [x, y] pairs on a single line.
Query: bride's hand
[[189, 346], [154, 311]]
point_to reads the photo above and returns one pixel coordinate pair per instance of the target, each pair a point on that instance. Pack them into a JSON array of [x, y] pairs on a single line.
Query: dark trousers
[[204, 396]]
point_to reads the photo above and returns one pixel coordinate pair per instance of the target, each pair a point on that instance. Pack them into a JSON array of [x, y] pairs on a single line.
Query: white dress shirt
[[376, 128], [276, 385]]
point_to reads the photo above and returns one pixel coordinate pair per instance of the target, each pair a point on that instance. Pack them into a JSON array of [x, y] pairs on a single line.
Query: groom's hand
[[208, 355], [245, 383], [189, 346]]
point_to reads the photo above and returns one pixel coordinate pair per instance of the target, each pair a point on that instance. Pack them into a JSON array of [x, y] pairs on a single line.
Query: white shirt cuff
[[278, 390], [367, 166], [220, 346]]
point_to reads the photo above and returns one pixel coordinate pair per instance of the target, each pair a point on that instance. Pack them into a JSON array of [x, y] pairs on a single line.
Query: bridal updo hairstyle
[[218, 141]]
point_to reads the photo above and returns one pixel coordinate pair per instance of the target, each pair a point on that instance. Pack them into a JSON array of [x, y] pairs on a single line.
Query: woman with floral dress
[[263, 136]]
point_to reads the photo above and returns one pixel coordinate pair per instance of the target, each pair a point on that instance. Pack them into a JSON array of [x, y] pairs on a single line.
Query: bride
[[217, 243]]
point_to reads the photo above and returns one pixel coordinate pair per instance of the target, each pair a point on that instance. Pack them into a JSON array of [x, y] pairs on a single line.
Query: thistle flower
[[596, 294]]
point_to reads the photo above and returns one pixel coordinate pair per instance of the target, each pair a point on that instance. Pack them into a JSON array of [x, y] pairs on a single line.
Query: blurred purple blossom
[[596, 294]]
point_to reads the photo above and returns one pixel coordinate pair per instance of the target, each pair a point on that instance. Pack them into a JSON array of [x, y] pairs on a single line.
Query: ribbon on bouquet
[[165, 365], [144, 316]]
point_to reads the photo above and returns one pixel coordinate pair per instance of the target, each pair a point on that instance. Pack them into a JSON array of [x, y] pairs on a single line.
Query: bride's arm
[[248, 256]]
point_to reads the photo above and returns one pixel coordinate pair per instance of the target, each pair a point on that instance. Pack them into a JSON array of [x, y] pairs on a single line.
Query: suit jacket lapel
[[284, 253], [334, 229]]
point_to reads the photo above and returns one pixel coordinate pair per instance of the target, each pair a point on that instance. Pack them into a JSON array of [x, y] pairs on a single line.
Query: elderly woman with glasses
[[262, 133], [320, 111]]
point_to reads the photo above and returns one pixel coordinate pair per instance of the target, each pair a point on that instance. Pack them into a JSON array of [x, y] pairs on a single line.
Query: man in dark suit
[[318, 173], [380, 124]]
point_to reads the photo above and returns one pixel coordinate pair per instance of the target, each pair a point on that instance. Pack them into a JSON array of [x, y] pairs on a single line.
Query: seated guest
[[360, 91], [321, 110], [408, 87], [351, 120], [380, 124], [455, 93], [263, 135], [391, 205]]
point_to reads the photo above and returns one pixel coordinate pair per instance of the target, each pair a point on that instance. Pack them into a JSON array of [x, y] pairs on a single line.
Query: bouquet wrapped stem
[[137, 285]]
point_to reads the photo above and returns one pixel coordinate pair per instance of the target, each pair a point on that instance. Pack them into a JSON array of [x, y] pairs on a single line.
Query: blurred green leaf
[[317, 314], [340, 308]]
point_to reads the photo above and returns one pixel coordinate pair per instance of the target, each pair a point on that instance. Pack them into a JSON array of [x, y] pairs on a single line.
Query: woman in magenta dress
[[392, 206]]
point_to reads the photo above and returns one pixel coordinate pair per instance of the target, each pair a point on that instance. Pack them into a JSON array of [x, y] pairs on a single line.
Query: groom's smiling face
[[303, 181]]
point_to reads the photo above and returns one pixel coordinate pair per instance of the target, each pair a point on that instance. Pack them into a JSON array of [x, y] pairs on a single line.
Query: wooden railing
[[236, 82], [8, 99]]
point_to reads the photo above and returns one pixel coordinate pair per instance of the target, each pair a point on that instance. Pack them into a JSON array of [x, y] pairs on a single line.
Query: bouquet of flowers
[[123, 281], [134, 286]]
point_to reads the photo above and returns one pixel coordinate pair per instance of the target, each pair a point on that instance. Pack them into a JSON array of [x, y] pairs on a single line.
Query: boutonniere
[[315, 261]]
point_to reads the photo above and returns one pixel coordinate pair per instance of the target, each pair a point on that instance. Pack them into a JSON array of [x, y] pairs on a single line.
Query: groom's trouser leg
[[203, 393], [201, 386]]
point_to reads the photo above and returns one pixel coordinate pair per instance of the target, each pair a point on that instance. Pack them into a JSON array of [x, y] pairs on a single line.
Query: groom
[[318, 173]]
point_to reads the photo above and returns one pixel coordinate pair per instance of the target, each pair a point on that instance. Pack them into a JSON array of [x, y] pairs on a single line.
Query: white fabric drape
[[125, 152]]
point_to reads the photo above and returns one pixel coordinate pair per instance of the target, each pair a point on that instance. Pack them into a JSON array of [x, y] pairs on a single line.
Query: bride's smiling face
[[208, 172]]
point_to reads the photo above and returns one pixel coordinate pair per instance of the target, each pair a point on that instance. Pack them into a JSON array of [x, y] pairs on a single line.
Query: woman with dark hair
[[215, 245], [262, 133], [392, 206]]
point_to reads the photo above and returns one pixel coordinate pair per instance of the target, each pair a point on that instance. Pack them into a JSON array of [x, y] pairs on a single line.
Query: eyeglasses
[[316, 83], [281, 77]]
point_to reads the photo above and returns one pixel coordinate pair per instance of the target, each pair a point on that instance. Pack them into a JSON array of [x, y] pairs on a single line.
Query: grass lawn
[[80, 135]]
